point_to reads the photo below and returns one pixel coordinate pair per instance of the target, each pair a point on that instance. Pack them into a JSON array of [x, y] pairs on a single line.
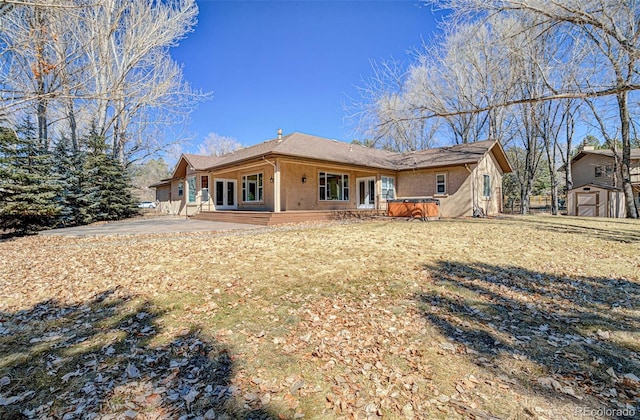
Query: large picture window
[[388, 188], [333, 186], [252, 188], [441, 183], [191, 184]]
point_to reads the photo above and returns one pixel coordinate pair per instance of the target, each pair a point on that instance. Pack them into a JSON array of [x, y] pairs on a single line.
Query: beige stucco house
[[301, 172], [597, 190]]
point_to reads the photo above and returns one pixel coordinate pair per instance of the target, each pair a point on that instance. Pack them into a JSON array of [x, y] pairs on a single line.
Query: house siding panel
[[492, 205], [177, 204]]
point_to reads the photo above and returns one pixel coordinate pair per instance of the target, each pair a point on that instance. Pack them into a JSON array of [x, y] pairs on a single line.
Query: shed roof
[[596, 185]]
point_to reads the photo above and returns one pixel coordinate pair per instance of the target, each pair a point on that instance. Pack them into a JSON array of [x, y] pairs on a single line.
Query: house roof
[[161, 183], [458, 154], [313, 147], [197, 162], [305, 146], [200, 162], [635, 153]]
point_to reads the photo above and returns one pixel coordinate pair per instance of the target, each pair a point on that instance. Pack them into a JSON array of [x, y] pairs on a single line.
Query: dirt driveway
[[148, 226]]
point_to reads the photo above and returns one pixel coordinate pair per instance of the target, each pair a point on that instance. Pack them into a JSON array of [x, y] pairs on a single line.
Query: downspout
[[276, 184]]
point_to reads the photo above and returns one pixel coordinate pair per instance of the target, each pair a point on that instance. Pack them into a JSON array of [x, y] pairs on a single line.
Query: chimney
[[588, 148], [279, 133]]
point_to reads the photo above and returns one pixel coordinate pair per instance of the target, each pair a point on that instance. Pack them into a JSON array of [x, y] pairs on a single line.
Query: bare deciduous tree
[[609, 32], [217, 145], [127, 48], [102, 62], [389, 113]]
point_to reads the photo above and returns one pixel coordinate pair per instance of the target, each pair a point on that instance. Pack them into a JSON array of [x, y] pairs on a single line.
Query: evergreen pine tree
[[28, 189], [110, 191], [73, 198]]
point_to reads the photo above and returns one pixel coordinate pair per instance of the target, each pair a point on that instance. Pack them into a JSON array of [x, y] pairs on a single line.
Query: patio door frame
[[225, 194], [369, 199]]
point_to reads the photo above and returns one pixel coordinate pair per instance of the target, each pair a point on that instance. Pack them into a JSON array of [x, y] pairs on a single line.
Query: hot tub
[[418, 207]]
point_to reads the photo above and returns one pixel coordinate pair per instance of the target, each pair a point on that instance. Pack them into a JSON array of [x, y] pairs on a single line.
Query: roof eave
[[436, 166], [275, 155], [501, 157]]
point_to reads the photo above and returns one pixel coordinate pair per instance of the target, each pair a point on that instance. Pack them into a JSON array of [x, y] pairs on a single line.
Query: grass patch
[[516, 317]]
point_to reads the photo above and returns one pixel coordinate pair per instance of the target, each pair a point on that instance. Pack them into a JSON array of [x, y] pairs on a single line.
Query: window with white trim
[[333, 186], [441, 183], [204, 187], [252, 187], [388, 187], [486, 186], [180, 189]]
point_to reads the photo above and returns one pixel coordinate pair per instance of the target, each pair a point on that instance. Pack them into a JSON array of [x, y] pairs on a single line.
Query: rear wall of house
[[455, 202], [298, 195], [492, 204], [267, 204]]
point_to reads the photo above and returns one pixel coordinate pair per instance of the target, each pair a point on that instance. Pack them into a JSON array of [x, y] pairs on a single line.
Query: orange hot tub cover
[[413, 207]]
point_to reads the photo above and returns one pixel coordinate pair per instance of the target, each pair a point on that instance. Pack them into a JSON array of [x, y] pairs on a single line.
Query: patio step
[[265, 218]]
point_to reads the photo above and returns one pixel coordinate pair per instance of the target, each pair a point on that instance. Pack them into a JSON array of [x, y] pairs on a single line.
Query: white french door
[[225, 195], [366, 192]]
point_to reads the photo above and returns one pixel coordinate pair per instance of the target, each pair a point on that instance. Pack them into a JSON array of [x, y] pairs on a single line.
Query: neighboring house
[[598, 184], [303, 172]]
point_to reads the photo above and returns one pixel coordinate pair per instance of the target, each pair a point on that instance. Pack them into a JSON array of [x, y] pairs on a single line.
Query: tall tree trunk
[[527, 186], [568, 175], [40, 70], [73, 126], [625, 165], [551, 162], [41, 111]]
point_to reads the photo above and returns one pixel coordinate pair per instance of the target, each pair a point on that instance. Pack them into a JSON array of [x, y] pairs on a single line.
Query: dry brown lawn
[[523, 317]]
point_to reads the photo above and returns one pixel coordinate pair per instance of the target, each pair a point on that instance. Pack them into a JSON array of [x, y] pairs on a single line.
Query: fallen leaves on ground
[[338, 320]]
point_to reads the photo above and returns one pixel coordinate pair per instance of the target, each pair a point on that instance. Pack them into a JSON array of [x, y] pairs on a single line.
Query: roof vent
[[279, 133], [588, 148]]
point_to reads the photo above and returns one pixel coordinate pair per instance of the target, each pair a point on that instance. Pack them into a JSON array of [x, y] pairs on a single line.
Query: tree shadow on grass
[[625, 231], [581, 331], [98, 360]]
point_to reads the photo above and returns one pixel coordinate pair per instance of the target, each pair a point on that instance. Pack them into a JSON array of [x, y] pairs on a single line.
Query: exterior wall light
[[304, 179]]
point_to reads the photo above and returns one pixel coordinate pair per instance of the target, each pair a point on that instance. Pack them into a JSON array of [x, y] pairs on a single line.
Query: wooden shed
[[593, 200]]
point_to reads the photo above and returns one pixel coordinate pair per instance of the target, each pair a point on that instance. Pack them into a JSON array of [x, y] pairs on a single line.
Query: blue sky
[[291, 64]]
